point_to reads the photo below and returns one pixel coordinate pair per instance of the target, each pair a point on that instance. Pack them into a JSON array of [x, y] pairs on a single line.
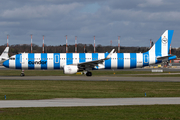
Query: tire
[[89, 74], [22, 74]]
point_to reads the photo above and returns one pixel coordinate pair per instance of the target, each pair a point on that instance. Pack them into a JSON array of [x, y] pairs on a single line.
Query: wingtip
[[112, 51]]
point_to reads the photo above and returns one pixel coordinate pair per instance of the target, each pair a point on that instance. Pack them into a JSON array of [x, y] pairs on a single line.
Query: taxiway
[[75, 102], [93, 78]]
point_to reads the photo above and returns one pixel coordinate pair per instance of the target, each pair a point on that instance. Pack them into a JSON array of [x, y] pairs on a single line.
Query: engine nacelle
[[70, 69]]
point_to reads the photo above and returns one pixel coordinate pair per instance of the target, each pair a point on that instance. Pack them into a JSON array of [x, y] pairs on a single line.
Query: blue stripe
[[82, 57], [107, 62], [173, 57], [146, 59], [133, 60], [95, 57], [69, 57], [56, 60], [18, 61], [43, 60], [158, 47], [170, 34], [31, 61], [120, 61], [6, 63]]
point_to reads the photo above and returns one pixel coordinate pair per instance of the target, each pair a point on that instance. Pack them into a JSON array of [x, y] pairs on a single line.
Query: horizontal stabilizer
[[165, 57]]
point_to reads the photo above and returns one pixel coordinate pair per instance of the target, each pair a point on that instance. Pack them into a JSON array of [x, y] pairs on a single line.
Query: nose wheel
[[22, 73], [89, 74]]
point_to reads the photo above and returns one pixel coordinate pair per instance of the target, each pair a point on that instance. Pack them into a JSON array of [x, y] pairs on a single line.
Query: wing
[[92, 64]]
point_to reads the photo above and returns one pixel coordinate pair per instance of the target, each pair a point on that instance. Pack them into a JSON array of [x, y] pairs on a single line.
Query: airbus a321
[[72, 63]]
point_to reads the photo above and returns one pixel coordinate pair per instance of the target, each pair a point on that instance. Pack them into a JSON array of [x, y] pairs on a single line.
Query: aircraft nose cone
[[6, 63]]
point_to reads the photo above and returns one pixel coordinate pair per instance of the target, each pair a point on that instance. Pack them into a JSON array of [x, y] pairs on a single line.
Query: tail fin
[[5, 53], [162, 46]]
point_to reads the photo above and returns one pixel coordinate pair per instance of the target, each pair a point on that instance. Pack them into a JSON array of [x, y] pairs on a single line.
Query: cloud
[[133, 20], [41, 11]]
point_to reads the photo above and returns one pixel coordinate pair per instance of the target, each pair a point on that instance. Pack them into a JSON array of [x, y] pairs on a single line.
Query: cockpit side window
[[12, 58]]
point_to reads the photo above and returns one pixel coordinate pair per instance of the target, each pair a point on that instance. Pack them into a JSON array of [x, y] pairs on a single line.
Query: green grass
[[32, 89], [153, 112], [95, 73]]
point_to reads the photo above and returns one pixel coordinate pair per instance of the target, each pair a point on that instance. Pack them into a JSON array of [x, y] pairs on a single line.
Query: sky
[[135, 21]]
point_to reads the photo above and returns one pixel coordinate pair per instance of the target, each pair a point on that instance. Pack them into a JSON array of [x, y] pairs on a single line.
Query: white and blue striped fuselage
[[74, 62], [59, 60]]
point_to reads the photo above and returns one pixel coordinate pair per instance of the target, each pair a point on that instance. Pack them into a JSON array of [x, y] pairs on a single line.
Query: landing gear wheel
[[88, 74], [22, 74]]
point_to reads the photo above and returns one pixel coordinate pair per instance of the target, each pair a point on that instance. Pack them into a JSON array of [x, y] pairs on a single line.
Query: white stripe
[[24, 60], [126, 60], [37, 56], [164, 45], [152, 55], [101, 56], [88, 57], [75, 58], [139, 59], [12, 63], [62, 59], [114, 60], [50, 61]]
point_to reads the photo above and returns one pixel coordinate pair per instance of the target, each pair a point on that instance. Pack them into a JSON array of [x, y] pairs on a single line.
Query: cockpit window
[[12, 58]]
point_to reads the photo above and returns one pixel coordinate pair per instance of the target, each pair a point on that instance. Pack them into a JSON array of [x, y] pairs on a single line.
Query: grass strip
[[95, 73], [153, 112], [32, 89]]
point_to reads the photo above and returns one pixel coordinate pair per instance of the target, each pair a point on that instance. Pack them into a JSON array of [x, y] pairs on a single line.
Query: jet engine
[[70, 69]]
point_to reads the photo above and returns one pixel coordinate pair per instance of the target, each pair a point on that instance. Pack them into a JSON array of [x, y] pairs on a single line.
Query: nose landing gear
[[22, 73]]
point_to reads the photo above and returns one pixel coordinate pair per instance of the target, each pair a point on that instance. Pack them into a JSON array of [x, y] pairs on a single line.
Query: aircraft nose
[[6, 63]]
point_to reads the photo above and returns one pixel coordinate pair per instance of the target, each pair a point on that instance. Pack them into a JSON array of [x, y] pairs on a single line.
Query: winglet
[[110, 54]]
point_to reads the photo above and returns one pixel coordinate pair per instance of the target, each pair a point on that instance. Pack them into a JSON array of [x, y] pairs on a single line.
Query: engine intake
[[70, 69]]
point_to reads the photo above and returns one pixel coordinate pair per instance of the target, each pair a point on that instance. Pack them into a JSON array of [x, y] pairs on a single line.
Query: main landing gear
[[88, 74], [22, 73]]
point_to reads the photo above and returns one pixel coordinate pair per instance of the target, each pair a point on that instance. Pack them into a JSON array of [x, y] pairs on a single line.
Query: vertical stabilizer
[[162, 46], [5, 53]]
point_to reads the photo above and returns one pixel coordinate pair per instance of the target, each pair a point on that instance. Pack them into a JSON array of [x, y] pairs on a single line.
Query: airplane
[[4, 56], [72, 63]]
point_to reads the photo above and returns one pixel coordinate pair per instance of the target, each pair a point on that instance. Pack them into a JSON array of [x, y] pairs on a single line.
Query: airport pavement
[[174, 68], [75, 102], [93, 78]]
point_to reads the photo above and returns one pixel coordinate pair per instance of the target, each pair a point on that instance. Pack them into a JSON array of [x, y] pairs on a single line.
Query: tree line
[[89, 48]]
